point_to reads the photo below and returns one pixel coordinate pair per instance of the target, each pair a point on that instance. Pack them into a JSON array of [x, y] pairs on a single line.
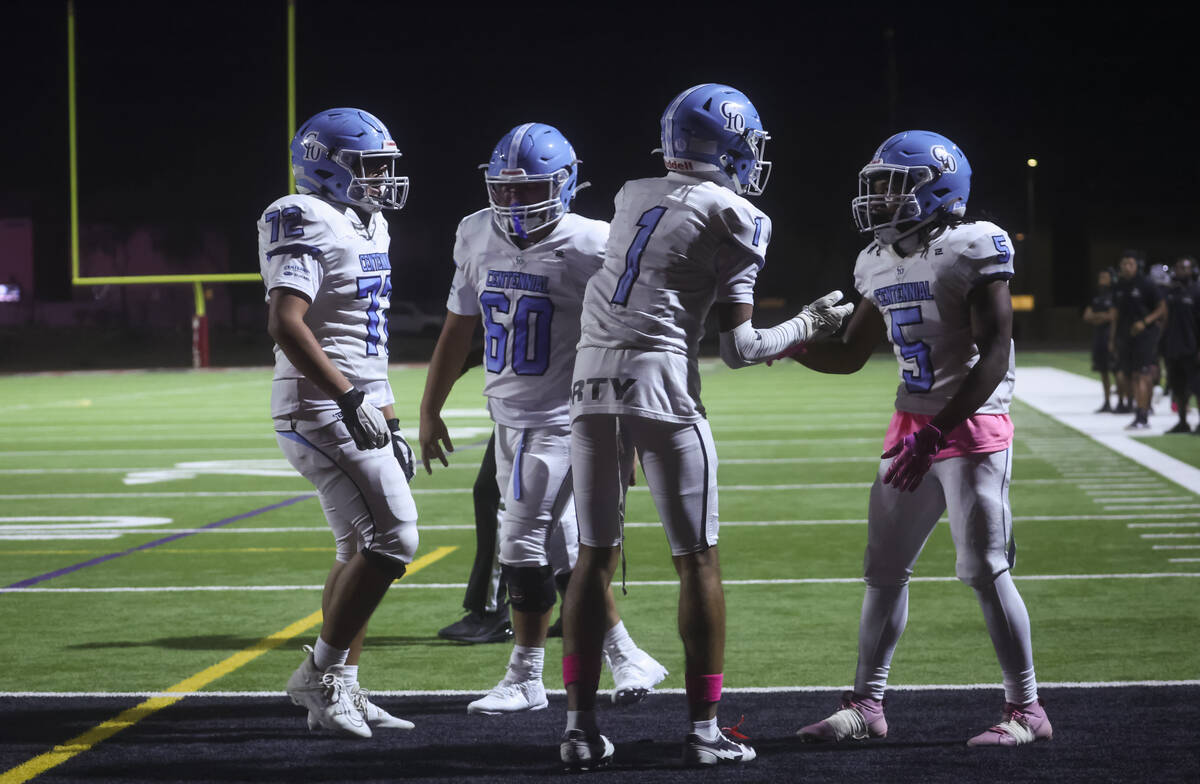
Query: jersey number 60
[[531, 319]]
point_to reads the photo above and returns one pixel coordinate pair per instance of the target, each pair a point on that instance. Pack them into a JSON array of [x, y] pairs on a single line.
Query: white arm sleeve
[[744, 345]]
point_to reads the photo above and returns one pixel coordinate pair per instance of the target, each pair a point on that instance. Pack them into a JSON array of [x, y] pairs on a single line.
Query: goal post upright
[[200, 341]]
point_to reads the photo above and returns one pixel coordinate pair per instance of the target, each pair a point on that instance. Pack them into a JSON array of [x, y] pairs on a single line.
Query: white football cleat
[[698, 752], [326, 698], [634, 675], [511, 697], [374, 715], [580, 751]]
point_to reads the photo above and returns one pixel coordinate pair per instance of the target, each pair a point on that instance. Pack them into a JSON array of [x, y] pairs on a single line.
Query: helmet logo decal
[[312, 147], [734, 121], [944, 157]]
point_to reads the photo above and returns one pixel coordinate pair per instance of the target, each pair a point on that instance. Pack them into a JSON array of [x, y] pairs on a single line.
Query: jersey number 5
[[922, 380], [633, 257]]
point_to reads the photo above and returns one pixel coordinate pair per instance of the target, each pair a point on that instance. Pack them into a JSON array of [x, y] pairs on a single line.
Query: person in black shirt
[[1181, 340], [1099, 314], [1137, 311]]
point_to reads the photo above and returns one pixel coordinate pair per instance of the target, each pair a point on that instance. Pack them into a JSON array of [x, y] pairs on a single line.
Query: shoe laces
[[360, 697], [333, 686], [734, 729], [848, 723], [1017, 726]]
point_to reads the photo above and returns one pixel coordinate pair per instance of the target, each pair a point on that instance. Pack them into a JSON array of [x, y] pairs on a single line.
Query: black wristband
[[350, 400], [394, 425]]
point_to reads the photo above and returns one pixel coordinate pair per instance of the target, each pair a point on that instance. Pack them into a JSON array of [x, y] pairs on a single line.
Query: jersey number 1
[[633, 257]]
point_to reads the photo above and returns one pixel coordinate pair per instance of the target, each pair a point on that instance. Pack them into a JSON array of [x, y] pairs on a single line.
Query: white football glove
[[402, 451], [823, 317], [365, 422]]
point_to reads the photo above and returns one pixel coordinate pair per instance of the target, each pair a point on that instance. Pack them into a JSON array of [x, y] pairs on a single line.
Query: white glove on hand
[[365, 422], [823, 317], [401, 449]]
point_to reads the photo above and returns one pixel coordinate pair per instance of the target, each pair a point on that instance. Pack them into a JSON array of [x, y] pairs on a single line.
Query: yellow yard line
[[127, 718]]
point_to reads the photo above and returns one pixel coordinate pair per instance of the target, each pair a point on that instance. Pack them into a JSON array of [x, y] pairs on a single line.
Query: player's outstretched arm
[[453, 346], [863, 335], [742, 344]]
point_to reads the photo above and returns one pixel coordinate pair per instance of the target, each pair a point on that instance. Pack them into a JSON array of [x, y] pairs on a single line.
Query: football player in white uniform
[[677, 244], [323, 254], [936, 286], [521, 267]]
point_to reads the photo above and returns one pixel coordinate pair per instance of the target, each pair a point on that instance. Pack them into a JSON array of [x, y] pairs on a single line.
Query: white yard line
[[652, 524], [1065, 397], [467, 693], [631, 583]]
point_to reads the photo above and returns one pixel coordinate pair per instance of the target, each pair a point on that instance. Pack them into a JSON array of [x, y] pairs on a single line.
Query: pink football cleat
[[1019, 725], [858, 719]]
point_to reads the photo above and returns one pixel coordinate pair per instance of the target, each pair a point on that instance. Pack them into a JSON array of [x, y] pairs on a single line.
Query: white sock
[[617, 640], [884, 616], [349, 674], [707, 730], [326, 656], [526, 663], [582, 720], [1008, 625]]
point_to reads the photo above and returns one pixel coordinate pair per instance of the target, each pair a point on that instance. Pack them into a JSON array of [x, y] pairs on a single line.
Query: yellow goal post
[[200, 353]]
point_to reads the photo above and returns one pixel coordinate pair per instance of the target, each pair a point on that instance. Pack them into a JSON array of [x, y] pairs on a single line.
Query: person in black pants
[[485, 601], [1099, 314], [1137, 311], [1181, 340]]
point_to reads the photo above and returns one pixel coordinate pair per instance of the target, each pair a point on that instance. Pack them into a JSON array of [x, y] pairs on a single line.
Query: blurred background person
[[1098, 313], [1137, 310], [1181, 346]]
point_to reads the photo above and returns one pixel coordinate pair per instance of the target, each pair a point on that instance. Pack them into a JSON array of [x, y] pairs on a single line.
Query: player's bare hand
[[433, 434]]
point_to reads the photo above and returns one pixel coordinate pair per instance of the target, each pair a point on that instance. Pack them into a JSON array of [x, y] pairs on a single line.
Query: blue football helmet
[[915, 177], [715, 128], [347, 156], [531, 178]]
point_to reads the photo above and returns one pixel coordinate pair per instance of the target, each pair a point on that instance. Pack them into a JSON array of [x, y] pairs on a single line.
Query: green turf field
[[83, 454]]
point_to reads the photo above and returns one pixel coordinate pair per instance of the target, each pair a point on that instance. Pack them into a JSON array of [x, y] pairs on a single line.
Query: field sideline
[[155, 546]]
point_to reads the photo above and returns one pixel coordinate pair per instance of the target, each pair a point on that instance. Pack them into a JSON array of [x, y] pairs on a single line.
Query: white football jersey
[[341, 266], [923, 300], [530, 302], [677, 245]]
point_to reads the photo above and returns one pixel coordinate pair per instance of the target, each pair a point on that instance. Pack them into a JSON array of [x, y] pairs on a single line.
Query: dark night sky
[[183, 114]]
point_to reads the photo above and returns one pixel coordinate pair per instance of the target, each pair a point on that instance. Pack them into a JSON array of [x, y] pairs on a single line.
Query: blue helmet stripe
[[514, 147]]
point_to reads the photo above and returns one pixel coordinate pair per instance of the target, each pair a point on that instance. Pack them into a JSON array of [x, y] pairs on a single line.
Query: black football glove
[[365, 422]]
